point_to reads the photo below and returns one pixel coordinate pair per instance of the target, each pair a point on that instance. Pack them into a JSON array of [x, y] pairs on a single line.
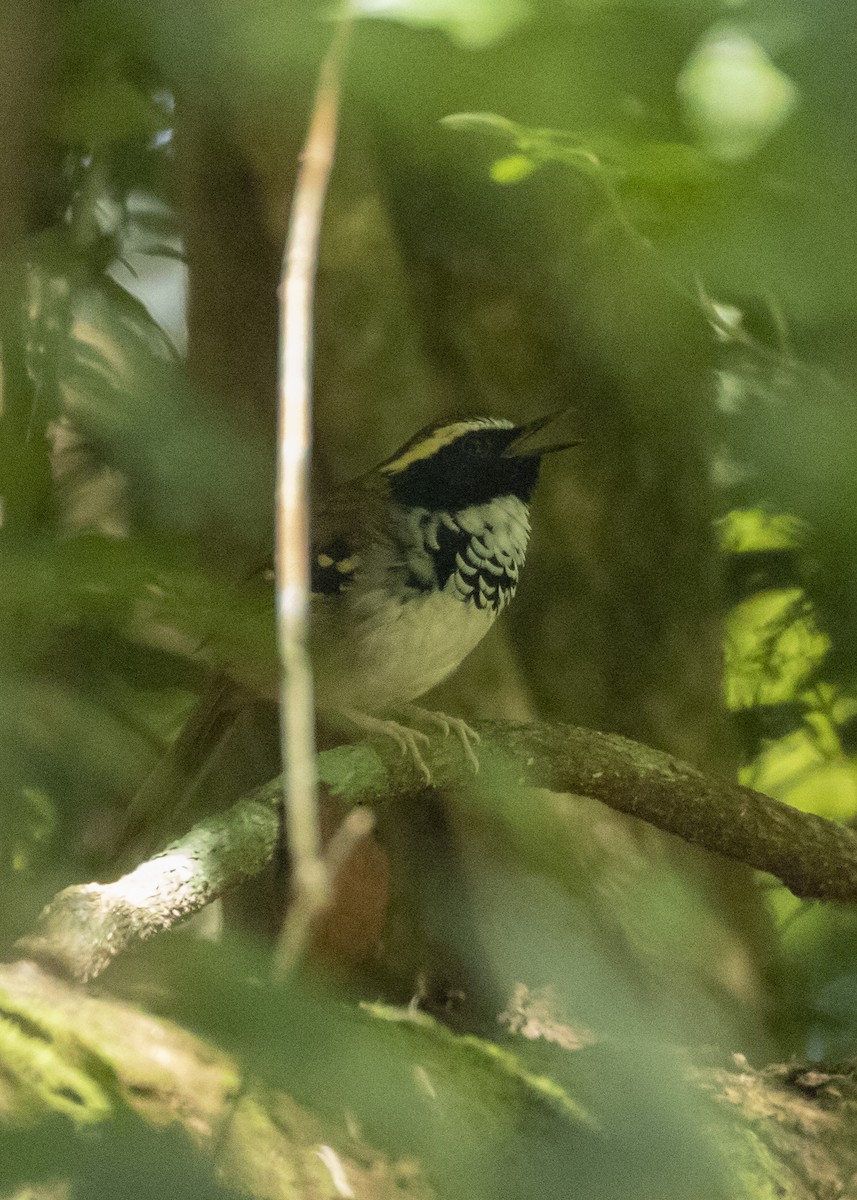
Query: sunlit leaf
[[756, 529], [773, 646], [734, 96], [512, 169], [471, 23]]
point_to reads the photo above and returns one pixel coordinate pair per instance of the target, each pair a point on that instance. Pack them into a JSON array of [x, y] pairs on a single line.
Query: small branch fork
[[84, 928], [310, 878]]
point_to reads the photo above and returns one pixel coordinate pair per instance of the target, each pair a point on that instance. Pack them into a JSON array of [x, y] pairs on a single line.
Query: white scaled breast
[[418, 610]]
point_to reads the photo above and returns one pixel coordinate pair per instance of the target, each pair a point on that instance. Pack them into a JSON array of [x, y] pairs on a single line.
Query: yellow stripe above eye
[[434, 441]]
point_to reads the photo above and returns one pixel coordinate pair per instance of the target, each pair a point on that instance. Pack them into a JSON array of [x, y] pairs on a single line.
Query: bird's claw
[[447, 724], [404, 737]]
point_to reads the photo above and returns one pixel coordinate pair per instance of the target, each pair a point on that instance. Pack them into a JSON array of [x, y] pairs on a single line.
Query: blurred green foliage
[[645, 208]]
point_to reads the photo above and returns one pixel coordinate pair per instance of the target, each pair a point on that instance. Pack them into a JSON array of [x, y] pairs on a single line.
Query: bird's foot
[[463, 731], [404, 737]]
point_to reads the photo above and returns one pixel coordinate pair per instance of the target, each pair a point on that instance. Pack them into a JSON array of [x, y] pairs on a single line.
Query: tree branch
[[815, 858], [790, 1128], [85, 927], [116, 1070]]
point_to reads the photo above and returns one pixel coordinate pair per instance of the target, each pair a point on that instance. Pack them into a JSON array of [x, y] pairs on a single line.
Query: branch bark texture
[[815, 858], [84, 928]]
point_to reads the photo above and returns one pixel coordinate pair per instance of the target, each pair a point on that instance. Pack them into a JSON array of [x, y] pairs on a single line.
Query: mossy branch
[[96, 1059], [85, 927]]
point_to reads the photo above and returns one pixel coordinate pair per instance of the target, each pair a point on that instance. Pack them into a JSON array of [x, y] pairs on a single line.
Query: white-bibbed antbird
[[412, 563]]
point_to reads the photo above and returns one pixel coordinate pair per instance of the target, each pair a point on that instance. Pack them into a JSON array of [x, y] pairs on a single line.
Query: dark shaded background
[[686, 282]]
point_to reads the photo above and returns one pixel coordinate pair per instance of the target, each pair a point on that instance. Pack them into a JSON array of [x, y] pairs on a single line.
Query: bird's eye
[[478, 445]]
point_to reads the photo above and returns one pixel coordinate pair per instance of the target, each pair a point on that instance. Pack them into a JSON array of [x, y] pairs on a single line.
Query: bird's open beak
[[527, 443]]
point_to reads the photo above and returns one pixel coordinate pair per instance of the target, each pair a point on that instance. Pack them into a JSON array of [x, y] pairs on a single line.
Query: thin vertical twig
[[310, 874]]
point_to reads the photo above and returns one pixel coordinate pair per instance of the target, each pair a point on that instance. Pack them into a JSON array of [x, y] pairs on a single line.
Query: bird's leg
[[404, 737], [465, 734]]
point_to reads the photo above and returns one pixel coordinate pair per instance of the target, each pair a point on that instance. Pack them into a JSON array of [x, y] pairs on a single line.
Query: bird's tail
[[227, 747]]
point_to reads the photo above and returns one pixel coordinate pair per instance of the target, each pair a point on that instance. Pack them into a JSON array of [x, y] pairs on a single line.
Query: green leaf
[[734, 97], [512, 169], [473, 24]]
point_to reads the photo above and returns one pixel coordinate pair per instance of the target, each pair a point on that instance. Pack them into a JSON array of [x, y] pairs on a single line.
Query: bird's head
[[455, 464]]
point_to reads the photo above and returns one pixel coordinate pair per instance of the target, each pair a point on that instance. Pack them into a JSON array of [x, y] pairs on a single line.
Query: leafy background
[[644, 209]]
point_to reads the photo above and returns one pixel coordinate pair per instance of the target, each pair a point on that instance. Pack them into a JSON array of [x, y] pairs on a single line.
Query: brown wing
[[227, 746], [229, 742], [349, 519]]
